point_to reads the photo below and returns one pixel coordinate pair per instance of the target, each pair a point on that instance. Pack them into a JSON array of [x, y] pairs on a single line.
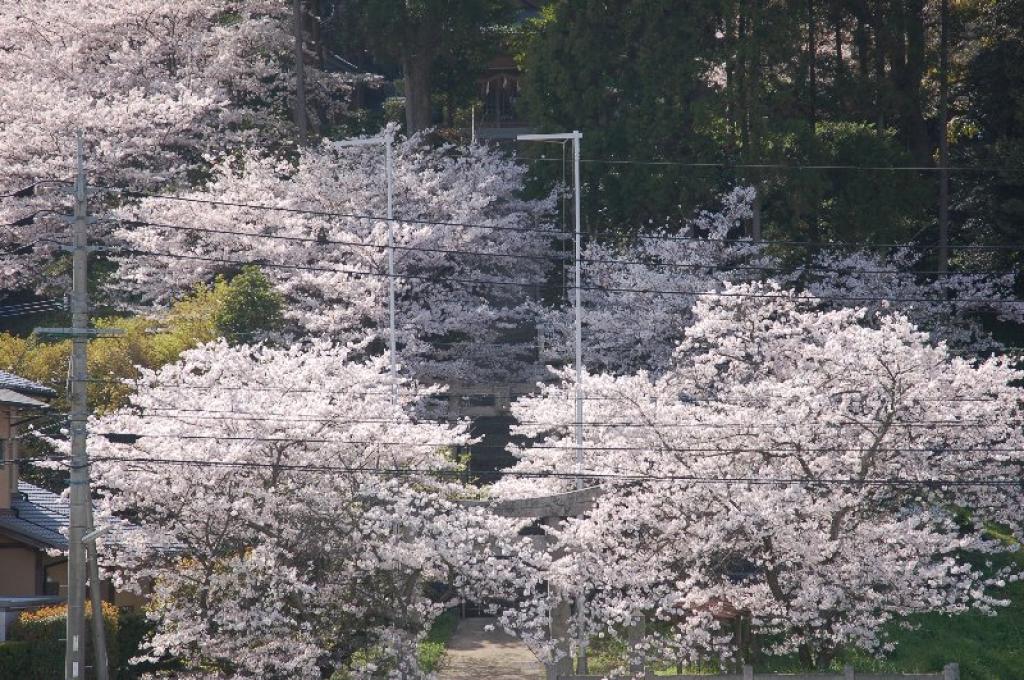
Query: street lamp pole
[[575, 136]]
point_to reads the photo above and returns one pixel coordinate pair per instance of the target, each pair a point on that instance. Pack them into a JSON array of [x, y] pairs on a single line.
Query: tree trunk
[[913, 75], [881, 98], [753, 87], [943, 252], [301, 119], [806, 656], [839, 71], [416, 71], [814, 226], [812, 63]]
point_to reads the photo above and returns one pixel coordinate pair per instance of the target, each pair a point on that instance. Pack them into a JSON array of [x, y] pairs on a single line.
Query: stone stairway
[[491, 655]]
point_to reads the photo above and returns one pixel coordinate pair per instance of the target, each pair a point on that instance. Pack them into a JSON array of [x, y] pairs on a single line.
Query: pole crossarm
[[82, 332]]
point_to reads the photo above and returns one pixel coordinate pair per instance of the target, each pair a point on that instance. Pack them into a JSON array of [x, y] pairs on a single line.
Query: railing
[[950, 672]]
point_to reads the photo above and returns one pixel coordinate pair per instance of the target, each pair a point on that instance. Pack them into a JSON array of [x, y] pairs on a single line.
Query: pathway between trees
[[476, 653]]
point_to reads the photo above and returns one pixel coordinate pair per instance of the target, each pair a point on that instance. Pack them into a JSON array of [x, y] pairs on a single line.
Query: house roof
[[18, 384], [18, 399], [40, 518], [37, 517]]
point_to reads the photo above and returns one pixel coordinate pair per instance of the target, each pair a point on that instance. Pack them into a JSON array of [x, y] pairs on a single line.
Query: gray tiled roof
[[18, 399], [38, 516], [19, 384]]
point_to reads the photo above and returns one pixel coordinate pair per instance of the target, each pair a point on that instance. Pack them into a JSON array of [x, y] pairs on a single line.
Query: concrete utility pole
[[575, 136], [75, 652], [387, 139], [81, 511]]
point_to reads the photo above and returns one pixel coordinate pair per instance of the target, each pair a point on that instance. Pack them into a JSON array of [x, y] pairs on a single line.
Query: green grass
[[432, 649], [986, 647]]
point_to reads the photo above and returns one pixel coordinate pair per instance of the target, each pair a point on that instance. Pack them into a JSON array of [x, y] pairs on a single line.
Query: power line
[[357, 244], [453, 473], [124, 437], [606, 289], [556, 233], [784, 166], [327, 213], [30, 189], [446, 395], [562, 258], [27, 308], [231, 415]]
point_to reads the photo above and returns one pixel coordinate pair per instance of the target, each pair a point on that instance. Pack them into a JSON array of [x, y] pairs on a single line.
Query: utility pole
[[80, 521], [575, 136], [75, 652], [387, 139]]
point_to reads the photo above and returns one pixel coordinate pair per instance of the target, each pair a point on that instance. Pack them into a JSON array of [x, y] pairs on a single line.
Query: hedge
[[36, 647], [16, 661]]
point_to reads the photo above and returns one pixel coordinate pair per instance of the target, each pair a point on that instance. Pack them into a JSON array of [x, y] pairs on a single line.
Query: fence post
[[848, 672], [748, 672], [951, 671], [636, 630]]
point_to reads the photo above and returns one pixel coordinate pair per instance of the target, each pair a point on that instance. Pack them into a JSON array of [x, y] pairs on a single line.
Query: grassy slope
[[986, 647], [432, 649]]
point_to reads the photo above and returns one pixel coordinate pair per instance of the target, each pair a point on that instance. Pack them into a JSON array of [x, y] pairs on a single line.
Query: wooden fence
[[950, 672]]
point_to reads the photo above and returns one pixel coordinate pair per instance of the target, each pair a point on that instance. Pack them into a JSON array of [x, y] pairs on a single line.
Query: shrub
[[42, 633], [250, 305], [16, 661]]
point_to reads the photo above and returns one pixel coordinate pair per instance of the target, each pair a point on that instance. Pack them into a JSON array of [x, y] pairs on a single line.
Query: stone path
[[491, 655]]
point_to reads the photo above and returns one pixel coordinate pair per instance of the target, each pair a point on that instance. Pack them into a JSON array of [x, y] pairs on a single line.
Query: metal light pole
[[387, 139], [575, 136]]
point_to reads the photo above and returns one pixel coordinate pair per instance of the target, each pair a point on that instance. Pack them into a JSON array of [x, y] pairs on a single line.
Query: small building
[[498, 88], [33, 568], [33, 520]]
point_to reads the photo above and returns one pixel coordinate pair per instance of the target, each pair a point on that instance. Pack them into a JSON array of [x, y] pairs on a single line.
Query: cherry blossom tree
[[153, 86], [470, 256], [949, 306], [637, 297], [798, 468], [626, 331], [285, 514]]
